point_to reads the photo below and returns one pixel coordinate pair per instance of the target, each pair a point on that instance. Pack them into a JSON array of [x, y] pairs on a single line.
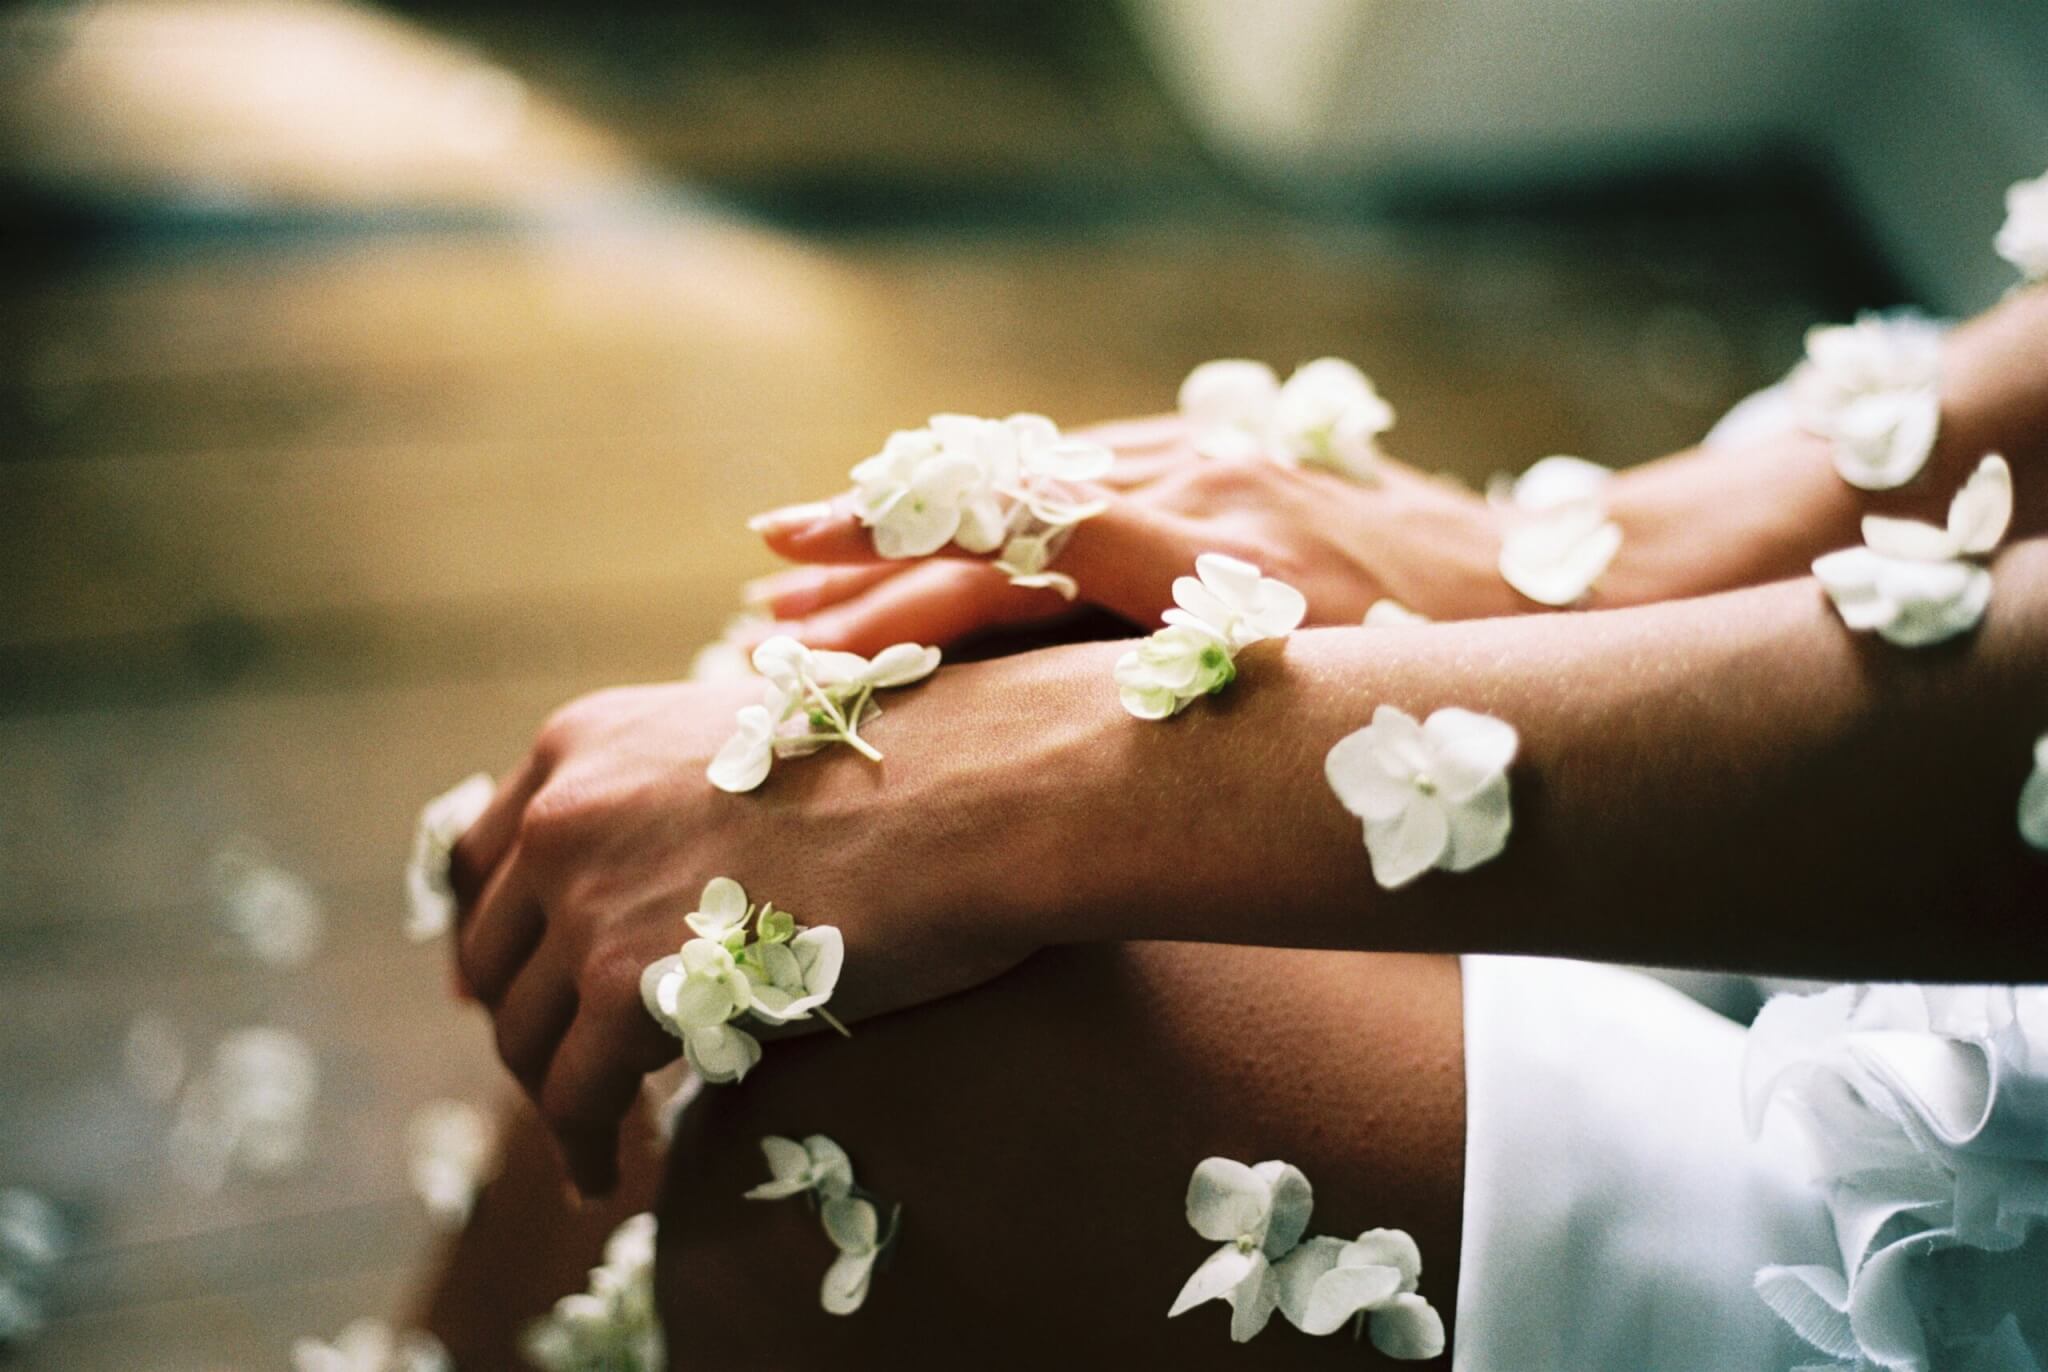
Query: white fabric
[[1616, 1211]]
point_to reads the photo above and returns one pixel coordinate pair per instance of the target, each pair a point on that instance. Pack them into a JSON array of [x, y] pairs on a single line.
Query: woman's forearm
[[1735, 781]]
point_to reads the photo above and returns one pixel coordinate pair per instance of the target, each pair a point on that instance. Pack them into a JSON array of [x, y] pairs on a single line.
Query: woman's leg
[[1039, 1134]]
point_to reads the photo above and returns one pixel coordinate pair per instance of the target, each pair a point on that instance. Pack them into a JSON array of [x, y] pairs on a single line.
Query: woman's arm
[[1734, 782]]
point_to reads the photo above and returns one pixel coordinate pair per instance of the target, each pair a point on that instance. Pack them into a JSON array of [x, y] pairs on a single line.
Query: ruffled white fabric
[[1615, 1210], [1924, 1113]]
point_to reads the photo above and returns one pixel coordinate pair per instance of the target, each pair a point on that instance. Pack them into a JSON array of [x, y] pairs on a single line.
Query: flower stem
[[833, 1020]]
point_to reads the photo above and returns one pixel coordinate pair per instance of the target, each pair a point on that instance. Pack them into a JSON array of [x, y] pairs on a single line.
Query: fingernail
[[759, 595], [790, 517]]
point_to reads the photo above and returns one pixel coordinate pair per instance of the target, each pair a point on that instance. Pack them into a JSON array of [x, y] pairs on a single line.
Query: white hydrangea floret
[[1327, 414], [855, 1228], [981, 484], [1911, 583], [612, 1324], [2023, 238], [1432, 795], [744, 960], [811, 699], [370, 1345], [817, 1164], [1326, 1283], [1872, 389], [2034, 799], [1227, 606], [1258, 1214], [450, 1148], [1386, 612], [430, 895], [1558, 540]]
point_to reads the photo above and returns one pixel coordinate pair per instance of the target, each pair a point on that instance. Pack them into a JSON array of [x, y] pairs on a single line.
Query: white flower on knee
[[1432, 795], [817, 1164], [442, 823], [1326, 1283], [1911, 583], [1258, 1214]]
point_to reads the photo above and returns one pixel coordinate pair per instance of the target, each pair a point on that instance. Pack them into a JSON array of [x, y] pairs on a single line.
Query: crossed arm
[[1728, 780]]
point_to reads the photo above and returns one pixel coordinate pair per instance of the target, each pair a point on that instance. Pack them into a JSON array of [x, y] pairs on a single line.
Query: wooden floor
[[296, 530]]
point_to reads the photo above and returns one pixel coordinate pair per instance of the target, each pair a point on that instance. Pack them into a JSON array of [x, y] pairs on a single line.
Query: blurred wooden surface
[[296, 530]]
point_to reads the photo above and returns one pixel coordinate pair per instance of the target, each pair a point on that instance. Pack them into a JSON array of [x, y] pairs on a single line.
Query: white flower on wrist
[[980, 484], [1327, 414], [430, 895], [1326, 1283], [812, 699], [1910, 582], [817, 1164], [1386, 613], [1258, 1214], [855, 1229], [1227, 606], [2034, 799], [1872, 389], [1558, 539], [2023, 238], [370, 1345], [1432, 795]]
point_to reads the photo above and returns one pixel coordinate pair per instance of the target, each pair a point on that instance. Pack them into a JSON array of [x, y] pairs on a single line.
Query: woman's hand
[[580, 872], [1427, 543]]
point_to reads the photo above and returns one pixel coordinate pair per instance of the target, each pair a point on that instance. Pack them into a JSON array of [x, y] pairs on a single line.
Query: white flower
[[611, 1327], [446, 818], [1231, 599], [812, 699], [915, 493], [1433, 794], [721, 908], [1326, 1282], [1229, 607], [251, 1108], [2023, 238], [817, 1164], [1384, 612], [1909, 582], [1228, 407], [1166, 671], [2034, 799], [792, 979], [1873, 389], [1329, 415], [855, 1230], [272, 914], [1024, 561], [369, 1345], [1258, 1214], [1559, 539], [449, 1148]]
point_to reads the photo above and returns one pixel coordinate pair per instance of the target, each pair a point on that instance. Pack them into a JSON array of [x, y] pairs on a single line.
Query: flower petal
[[830, 1165], [1219, 1275], [1470, 750], [1365, 786], [1231, 394], [1554, 481], [2034, 800], [1295, 1276], [1343, 1292], [1909, 539], [1293, 1200], [1408, 1328], [845, 1288], [1479, 827], [851, 1224], [1393, 1248], [1227, 1200], [721, 1053], [1946, 599], [1408, 845], [1982, 510], [900, 664], [743, 761], [1385, 612], [651, 978], [1253, 1301]]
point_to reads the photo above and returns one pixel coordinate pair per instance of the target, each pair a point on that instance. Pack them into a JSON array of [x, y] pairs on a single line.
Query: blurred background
[[372, 379]]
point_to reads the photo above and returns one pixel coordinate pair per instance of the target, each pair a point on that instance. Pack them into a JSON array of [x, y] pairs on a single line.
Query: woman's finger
[[937, 602], [534, 1014], [501, 932], [798, 591], [592, 1081]]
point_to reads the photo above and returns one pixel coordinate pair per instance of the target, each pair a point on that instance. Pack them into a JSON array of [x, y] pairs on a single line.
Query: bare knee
[[1039, 1134]]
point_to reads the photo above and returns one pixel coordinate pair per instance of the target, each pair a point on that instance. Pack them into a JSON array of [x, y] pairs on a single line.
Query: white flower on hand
[[812, 699], [446, 818], [449, 1148], [1258, 1214], [1386, 613], [794, 975], [2023, 238], [369, 1345], [1329, 415], [1909, 582], [855, 1230], [1326, 1282], [1873, 389], [1433, 794], [2034, 799], [1226, 607], [1559, 539], [612, 1324], [1228, 407], [817, 1164]]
